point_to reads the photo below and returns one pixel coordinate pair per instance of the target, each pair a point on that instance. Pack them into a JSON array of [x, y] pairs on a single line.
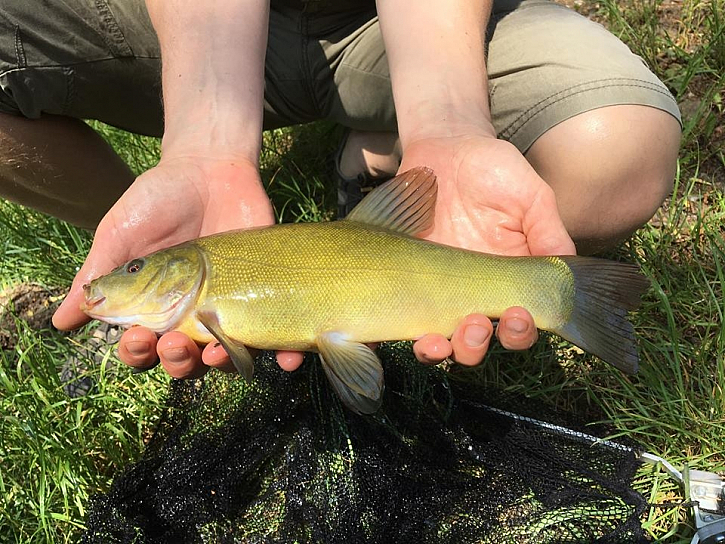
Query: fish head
[[155, 291]]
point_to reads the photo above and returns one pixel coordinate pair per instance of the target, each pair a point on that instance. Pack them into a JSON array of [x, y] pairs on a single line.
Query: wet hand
[[176, 201], [491, 200]]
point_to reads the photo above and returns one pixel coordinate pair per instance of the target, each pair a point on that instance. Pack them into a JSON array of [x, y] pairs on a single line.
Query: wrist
[[213, 96], [212, 169], [440, 83], [198, 134], [214, 114], [428, 120]]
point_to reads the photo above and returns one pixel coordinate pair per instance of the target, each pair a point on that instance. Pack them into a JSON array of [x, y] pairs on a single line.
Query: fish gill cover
[[282, 461]]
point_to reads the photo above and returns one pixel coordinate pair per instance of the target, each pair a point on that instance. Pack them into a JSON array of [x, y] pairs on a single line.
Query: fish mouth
[[91, 303], [90, 300]]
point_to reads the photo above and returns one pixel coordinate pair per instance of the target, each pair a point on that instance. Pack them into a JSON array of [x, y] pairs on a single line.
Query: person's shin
[[60, 166]]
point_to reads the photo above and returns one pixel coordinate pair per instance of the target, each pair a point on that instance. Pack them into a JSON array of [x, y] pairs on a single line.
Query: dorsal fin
[[404, 204]]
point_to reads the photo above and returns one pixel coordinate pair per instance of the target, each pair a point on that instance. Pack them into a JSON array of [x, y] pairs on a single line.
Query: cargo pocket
[[89, 59], [42, 43]]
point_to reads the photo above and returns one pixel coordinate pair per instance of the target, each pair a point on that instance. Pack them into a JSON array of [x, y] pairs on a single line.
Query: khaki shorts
[[99, 59]]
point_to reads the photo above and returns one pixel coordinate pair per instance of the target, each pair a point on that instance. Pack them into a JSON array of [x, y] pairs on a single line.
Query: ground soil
[[30, 303]]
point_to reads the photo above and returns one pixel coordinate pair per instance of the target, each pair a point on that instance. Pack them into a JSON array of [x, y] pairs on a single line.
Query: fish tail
[[604, 292]]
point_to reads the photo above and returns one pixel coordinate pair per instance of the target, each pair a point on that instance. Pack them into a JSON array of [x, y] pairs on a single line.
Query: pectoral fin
[[238, 353], [353, 370]]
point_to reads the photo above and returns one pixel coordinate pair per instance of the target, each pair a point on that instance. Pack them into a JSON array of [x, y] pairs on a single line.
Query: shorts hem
[[549, 112]]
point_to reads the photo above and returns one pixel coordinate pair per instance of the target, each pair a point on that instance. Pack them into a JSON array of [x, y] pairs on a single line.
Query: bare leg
[[611, 169], [60, 166], [374, 153]]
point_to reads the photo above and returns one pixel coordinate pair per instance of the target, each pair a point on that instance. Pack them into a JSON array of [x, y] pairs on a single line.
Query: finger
[[137, 348], [516, 329], [432, 349], [289, 360], [215, 356], [471, 339], [100, 261], [180, 356], [544, 229], [68, 315]]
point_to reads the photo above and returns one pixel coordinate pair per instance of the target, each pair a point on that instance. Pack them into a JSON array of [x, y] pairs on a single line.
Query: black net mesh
[[281, 460]]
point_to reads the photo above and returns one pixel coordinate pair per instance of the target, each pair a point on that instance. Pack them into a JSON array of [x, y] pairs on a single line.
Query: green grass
[[56, 451]]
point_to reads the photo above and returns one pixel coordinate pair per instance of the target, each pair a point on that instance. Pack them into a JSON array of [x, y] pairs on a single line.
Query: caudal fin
[[604, 292]]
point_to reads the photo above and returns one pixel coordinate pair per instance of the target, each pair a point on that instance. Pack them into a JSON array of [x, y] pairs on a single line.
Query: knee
[[610, 169]]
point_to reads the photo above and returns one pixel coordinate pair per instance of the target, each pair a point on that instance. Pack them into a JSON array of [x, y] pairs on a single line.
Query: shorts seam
[[492, 87], [517, 124], [113, 35], [70, 89], [20, 57], [69, 65], [306, 68], [360, 70]]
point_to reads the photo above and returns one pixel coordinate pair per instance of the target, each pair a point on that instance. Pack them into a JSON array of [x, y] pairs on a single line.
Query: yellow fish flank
[[331, 287]]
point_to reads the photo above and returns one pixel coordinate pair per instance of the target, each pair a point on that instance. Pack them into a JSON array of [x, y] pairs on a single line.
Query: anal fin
[[353, 370], [238, 353]]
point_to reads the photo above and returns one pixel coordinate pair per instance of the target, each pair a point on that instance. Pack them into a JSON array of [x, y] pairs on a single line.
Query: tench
[[333, 287]]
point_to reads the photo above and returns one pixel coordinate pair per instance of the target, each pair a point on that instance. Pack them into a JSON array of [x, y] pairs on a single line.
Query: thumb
[[545, 231], [100, 261]]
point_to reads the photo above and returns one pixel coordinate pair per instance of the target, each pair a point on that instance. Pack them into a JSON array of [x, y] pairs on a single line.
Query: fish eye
[[134, 266]]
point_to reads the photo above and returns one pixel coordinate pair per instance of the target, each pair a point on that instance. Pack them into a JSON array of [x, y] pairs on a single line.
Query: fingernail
[[176, 355], [517, 325], [475, 335], [138, 348]]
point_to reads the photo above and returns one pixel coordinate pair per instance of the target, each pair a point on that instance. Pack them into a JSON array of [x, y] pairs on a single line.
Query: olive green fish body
[[279, 288], [333, 287]]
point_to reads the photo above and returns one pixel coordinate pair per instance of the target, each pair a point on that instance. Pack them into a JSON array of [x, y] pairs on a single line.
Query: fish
[[335, 287]]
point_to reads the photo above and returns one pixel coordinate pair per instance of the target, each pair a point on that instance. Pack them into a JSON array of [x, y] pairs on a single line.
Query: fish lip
[[89, 300], [90, 303]]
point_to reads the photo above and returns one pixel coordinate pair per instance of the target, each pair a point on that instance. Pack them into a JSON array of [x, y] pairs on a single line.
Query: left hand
[[177, 200], [491, 200]]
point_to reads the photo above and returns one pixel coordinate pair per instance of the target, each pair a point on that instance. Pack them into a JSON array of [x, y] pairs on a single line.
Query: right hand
[[491, 200], [178, 200]]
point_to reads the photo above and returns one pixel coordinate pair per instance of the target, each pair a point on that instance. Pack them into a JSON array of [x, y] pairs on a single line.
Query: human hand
[[491, 200], [176, 201]]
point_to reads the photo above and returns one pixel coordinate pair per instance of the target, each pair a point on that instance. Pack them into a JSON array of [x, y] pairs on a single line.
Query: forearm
[[436, 55], [212, 75]]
